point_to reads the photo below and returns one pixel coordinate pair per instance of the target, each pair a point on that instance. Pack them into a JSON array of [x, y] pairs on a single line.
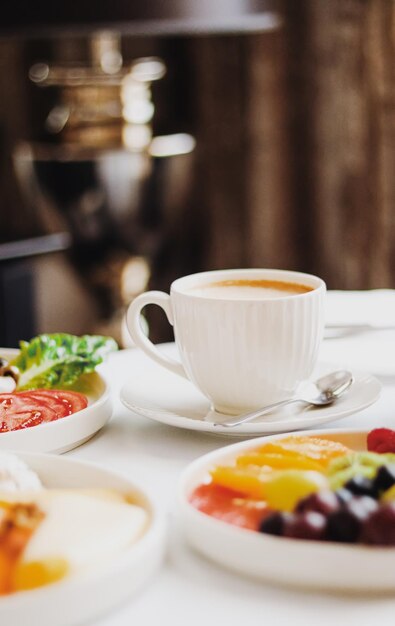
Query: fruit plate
[[69, 432], [79, 599], [293, 562]]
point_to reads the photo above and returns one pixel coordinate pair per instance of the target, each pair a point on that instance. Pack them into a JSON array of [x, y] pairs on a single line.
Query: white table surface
[[190, 590]]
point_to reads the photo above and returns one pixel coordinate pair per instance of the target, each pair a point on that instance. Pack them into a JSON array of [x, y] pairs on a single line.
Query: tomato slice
[[15, 410], [76, 400], [229, 506], [63, 402], [62, 408], [31, 408], [31, 419]]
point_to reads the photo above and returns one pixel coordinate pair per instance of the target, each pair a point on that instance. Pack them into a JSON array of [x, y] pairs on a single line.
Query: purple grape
[[345, 524], [324, 502], [307, 525], [379, 528]]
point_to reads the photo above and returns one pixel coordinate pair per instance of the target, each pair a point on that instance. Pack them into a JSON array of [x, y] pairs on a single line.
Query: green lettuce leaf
[[58, 360]]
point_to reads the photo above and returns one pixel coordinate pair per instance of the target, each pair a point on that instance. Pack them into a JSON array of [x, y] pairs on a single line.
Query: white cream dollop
[[15, 475]]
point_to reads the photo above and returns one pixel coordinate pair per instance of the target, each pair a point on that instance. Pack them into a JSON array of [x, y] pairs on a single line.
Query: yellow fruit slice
[[278, 460], [286, 488], [249, 481], [38, 573], [321, 450], [280, 489]]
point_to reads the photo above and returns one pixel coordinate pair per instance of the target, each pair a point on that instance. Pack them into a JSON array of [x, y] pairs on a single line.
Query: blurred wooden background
[[295, 130]]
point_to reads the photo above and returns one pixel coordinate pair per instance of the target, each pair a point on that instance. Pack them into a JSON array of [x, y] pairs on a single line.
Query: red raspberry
[[381, 440]]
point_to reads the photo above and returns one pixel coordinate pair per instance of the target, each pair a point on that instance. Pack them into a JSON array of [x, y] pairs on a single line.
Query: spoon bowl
[[322, 392]]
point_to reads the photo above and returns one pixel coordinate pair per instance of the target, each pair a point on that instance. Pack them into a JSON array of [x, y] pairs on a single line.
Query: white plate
[[156, 393], [68, 432], [300, 563], [74, 601]]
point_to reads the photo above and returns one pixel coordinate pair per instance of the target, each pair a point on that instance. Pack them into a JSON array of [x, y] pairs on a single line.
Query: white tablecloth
[[190, 590]]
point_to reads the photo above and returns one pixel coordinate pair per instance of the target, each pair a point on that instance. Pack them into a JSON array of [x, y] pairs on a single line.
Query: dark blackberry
[[362, 486], [385, 478], [273, 524]]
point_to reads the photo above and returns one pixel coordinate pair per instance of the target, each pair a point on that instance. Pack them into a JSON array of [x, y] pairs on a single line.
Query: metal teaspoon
[[328, 388]]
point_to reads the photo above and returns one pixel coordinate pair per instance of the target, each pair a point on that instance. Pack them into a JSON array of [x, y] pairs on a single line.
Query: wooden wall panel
[[222, 147], [270, 217], [380, 53], [242, 128], [350, 79]]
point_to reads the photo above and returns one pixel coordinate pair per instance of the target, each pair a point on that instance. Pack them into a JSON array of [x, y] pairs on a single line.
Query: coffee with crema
[[242, 289]]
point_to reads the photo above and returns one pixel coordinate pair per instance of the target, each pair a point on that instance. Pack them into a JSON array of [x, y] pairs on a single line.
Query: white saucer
[[156, 393]]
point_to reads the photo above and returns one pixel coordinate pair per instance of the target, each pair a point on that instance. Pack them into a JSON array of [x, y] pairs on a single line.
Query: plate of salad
[[52, 398]]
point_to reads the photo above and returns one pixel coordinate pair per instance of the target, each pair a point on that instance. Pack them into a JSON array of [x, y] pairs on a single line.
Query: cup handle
[[141, 340]]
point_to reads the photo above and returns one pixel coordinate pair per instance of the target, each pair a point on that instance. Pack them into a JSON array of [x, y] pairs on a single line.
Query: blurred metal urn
[[103, 176]]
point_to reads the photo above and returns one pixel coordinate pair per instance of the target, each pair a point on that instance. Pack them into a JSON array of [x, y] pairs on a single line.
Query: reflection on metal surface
[[142, 17], [170, 145], [106, 103]]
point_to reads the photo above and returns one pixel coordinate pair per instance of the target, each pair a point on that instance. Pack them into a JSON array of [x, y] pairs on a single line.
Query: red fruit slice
[[381, 440], [228, 505]]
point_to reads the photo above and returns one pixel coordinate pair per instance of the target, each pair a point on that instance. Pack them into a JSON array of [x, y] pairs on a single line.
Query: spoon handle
[[248, 417]]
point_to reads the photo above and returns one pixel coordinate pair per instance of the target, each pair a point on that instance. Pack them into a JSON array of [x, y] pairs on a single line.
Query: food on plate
[[58, 360], [228, 505], [253, 471], [18, 522], [44, 378], [358, 465], [322, 451], [47, 535], [381, 440], [15, 475], [20, 410], [305, 487]]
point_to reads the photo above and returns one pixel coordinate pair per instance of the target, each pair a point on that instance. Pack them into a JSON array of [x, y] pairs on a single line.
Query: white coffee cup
[[241, 343]]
